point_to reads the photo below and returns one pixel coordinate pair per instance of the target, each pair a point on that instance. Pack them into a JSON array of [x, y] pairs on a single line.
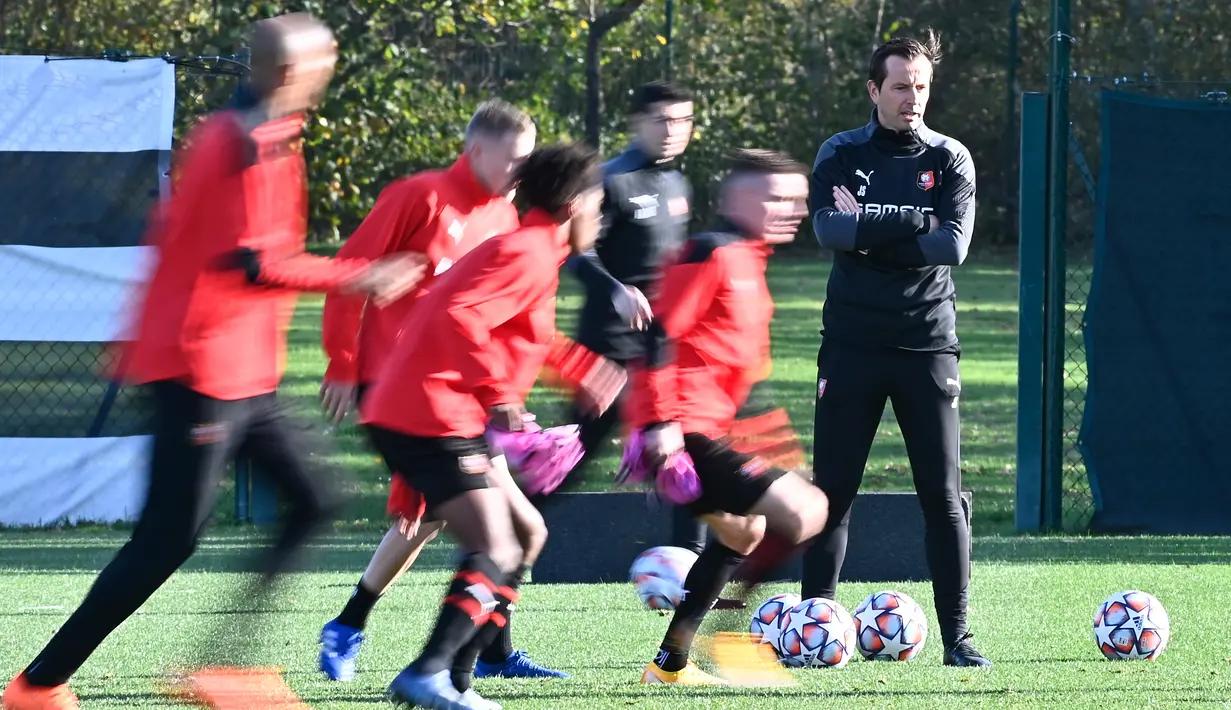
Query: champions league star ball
[[766, 625], [890, 626], [817, 633], [1132, 625], [659, 573]]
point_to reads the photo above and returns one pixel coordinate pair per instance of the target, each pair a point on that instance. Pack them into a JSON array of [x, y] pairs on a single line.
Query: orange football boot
[[20, 695]]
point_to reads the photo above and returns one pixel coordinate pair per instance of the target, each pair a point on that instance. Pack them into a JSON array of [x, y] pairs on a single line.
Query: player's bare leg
[[736, 536], [740, 658], [342, 637], [396, 554]]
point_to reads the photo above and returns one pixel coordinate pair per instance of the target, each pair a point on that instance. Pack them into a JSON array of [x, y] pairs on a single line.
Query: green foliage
[[782, 74]]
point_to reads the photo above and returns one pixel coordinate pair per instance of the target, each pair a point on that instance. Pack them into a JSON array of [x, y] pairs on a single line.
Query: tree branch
[[614, 17], [603, 24]]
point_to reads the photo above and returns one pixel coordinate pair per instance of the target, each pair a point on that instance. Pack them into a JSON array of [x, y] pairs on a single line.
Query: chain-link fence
[[55, 383]]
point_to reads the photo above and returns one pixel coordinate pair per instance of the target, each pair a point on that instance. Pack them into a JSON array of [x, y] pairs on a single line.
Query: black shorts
[[440, 468], [731, 482]]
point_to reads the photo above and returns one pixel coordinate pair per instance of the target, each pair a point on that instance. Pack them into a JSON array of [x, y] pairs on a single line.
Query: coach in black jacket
[[895, 200]]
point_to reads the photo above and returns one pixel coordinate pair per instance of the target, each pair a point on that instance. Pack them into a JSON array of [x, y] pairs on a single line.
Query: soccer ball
[[817, 633], [890, 626], [767, 620], [1132, 625], [659, 573]]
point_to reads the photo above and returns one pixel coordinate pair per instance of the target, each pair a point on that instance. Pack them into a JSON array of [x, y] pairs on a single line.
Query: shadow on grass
[[228, 550], [231, 550], [1107, 550]]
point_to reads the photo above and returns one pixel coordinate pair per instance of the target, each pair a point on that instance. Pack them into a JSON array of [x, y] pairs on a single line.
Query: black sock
[[709, 574], [492, 636], [358, 607], [951, 617], [468, 605], [498, 649]]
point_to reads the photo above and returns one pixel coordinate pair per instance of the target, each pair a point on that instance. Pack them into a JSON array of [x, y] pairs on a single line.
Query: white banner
[[82, 295], [55, 481], [86, 105]]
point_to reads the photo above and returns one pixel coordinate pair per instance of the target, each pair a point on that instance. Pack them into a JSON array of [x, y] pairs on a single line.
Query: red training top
[[230, 263], [477, 339], [713, 309], [440, 213]]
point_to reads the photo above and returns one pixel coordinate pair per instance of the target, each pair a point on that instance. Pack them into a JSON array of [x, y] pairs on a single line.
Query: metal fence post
[[1057, 335], [1032, 280]]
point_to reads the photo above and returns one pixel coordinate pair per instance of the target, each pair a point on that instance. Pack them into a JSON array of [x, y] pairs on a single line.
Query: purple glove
[[541, 458], [675, 480]]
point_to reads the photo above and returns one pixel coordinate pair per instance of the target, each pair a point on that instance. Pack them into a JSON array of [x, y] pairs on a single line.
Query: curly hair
[[554, 175]]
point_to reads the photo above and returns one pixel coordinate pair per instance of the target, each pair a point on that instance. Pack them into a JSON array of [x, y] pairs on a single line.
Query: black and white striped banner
[[84, 148]]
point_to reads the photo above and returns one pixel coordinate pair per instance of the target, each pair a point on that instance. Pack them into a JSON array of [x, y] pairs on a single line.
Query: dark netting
[[1151, 205], [1156, 331], [63, 389]]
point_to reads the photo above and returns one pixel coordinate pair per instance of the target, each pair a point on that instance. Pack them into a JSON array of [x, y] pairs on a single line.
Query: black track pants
[[853, 385]]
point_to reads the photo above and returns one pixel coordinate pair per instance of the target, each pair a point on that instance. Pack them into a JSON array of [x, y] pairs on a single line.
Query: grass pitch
[[1032, 606]]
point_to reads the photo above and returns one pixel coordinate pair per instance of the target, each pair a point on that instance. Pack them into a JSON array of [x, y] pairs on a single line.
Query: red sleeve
[[395, 224], [277, 259], [298, 271], [686, 291], [569, 361], [504, 284]]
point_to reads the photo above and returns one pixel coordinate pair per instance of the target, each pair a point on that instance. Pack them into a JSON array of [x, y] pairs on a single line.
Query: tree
[[601, 23]]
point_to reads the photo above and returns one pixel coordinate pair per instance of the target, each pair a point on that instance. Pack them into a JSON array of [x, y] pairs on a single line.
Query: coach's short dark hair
[[554, 175], [497, 118], [907, 48], [757, 161], [658, 92]]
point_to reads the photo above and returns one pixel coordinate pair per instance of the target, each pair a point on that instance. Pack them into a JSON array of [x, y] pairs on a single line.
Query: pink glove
[[676, 479], [540, 458]]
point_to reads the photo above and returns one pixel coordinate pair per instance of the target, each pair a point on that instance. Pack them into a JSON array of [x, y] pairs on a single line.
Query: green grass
[[1032, 602], [987, 325]]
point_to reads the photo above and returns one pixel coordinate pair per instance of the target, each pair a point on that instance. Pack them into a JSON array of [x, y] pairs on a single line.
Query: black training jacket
[[891, 284], [646, 208]]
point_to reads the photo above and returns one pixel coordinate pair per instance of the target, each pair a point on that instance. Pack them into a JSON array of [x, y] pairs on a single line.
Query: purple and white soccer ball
[[658, 574], [766, 624], [890, 627], [1132, 625], [816, 633]]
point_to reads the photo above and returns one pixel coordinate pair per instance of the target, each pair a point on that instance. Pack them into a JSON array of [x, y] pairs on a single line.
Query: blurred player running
[[472, 350], [210, 340], [709, 343], [440, 216]]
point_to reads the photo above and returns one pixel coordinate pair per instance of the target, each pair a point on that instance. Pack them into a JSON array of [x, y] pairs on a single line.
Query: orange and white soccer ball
[[890, 626], [816, 633], [766, 624], [658, 575], [1132, 625]]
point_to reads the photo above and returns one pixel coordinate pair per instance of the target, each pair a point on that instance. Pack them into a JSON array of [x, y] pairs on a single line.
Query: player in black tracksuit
[[646, 213], [895, 200]]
